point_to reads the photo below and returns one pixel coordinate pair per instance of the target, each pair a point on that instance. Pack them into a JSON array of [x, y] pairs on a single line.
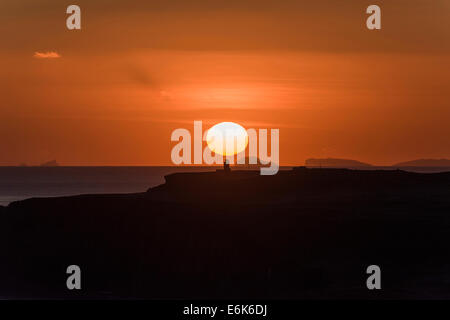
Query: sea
[[18, 183]]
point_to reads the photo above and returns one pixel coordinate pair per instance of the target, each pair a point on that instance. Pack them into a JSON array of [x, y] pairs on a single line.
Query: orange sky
[[139, 69]]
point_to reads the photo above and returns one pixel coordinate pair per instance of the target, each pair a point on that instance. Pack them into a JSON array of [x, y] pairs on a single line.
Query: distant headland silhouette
[[333, 162], [424, 163], [51, 163], [349, 163]]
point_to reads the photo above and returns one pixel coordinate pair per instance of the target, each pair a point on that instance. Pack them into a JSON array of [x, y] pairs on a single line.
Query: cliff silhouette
[[302, 233]]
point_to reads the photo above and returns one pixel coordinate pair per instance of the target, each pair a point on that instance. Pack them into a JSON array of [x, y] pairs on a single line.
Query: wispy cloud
[[47, 55]]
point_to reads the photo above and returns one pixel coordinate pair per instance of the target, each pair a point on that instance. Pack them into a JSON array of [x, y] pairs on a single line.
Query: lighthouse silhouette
[[226, 165]]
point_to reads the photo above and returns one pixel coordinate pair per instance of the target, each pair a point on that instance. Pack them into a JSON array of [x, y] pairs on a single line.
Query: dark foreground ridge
[[305, 233]]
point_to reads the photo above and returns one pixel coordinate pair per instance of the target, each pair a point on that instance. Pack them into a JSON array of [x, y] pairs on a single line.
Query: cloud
[[47, 55]]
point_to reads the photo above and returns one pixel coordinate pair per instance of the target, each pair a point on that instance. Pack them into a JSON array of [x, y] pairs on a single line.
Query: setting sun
[[227, 138]]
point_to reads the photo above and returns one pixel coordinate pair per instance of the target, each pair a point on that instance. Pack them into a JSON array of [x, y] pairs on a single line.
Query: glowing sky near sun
[[112, 93]]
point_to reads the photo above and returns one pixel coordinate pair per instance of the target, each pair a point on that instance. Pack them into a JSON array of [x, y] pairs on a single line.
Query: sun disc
[[227, 138]]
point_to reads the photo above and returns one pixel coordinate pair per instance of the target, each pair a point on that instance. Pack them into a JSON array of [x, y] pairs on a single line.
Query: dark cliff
[[303, 233]]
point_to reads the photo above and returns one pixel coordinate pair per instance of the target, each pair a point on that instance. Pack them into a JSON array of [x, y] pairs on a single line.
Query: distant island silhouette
[[52, 163], [424, 163], [333, 162], [303, 233]]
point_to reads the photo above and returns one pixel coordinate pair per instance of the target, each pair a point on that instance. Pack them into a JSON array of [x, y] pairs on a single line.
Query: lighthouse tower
[[226, 166]]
